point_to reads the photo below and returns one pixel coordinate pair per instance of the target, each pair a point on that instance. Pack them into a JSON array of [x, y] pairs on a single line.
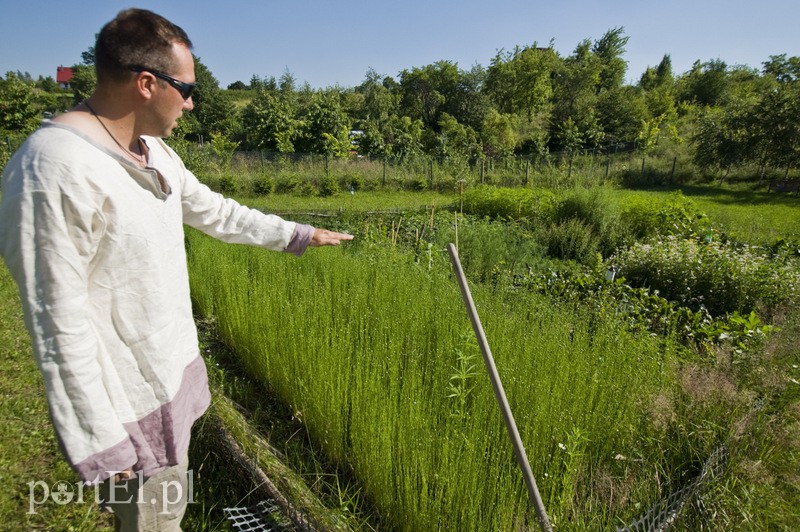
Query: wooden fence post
[[569, 173], [527, 171]]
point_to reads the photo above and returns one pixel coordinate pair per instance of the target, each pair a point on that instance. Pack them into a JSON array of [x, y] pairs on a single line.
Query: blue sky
[[328, 43]]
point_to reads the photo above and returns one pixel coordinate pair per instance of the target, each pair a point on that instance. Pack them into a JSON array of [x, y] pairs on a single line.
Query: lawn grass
[[28, 449]]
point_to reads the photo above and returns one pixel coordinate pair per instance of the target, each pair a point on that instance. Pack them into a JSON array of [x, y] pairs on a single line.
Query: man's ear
[[144, 84]]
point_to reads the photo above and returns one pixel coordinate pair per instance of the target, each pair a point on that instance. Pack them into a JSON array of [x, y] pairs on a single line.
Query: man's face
[[169, 103]]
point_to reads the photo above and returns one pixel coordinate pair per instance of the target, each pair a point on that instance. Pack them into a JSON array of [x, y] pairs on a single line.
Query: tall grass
[[372, 352]]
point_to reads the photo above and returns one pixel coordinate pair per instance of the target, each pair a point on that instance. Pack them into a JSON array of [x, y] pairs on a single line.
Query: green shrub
[[195, 158], [228, 184], [509, 203], [328, 186], [720, 277], [418, 184], [572, 239], [677, 216], [307, 190], [287, 183], [355, 182], [595, 209], [264, 185]]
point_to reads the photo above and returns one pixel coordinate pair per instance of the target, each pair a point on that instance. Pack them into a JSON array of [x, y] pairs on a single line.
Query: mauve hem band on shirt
[[160, 439]]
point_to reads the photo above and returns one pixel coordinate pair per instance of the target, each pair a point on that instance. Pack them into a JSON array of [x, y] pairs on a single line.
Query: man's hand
[[124, 475], [323, 237]]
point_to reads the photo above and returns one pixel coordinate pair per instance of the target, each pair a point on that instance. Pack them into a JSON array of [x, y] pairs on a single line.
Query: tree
[[83, 82], [648, 137], [620, 112], [720, 140], [569, 136], [499, 134], [405, 140], [237, 86], [324, 126], [659, 90], [269, 123], [783, 69], [575, 97], [519, 82], [287, 82], [705, 83], [47, 84], [87, 57], [609, 50], [379, 102], [457, 140], [426, 90], [661, 76], [19, 111], [214, 110], [775, 118], [469, 103]]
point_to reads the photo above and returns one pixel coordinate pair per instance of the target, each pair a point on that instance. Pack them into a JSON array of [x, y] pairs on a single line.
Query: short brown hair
[[136, 37]]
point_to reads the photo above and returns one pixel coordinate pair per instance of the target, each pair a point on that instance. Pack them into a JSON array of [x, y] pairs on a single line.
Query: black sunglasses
[[184, 88]]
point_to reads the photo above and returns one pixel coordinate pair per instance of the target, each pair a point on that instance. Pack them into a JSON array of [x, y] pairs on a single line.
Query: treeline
[[529, 101]]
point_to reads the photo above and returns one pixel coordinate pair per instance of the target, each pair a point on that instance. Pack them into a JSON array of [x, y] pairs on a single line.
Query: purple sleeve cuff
[[301, 238]]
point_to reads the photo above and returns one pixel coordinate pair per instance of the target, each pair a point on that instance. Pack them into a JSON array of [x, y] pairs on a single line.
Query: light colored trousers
[[148, 504]]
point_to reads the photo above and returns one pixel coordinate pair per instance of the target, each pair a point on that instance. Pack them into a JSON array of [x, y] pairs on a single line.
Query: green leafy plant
[[461, 382], [723, 278]]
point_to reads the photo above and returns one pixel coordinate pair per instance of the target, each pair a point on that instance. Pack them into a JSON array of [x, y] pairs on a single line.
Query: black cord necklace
[[140, 160]]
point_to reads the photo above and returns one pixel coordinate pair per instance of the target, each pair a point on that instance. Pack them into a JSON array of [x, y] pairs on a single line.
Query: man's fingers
[[323, 237]]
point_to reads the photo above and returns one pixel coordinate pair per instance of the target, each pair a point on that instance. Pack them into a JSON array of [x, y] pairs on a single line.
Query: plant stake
[[511, 426]]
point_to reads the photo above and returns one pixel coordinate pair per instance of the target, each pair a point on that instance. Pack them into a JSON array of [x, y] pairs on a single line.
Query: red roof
[[64, 74]]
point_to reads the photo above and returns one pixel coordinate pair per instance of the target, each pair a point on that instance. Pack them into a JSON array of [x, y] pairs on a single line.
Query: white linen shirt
[[96, 246]]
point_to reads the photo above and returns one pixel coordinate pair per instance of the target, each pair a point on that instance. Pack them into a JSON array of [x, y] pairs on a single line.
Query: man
[[91, 228]]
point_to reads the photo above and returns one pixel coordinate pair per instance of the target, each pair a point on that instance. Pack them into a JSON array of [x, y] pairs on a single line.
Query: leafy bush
[[572, 239], [195, 158], [355, 182], [678, 216], [264, 185], [228, 184], [287, 183], [328, 186], [307, 190], [509, 203], [593, 208], [720, 277], [418, 184]]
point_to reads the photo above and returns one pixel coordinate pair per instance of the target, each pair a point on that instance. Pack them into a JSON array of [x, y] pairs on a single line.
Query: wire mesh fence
[[258, 518], [667, 512], [260, 173]]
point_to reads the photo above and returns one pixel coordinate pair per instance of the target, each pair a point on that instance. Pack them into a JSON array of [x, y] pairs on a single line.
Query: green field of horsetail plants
[[619, 395], [376, 355]]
